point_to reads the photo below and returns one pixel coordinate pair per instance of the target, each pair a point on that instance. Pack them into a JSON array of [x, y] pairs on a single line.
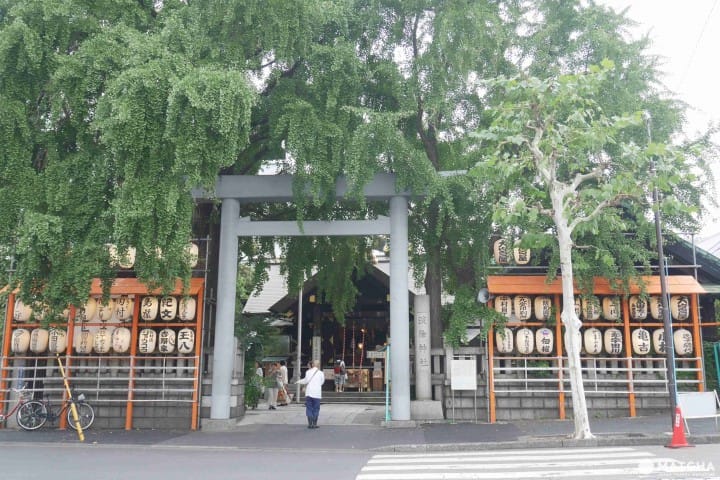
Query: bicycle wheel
[[32, 415], [86, 415]]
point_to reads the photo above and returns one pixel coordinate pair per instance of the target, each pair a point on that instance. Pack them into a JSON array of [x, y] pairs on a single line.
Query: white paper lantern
[[638, 308], [525, 341], [655, 304], [22, 313], [20, 341], [121, 337], [124, 308], [611, 308], [593, 341], [168, 309], [658, 340], [544, 341], [613, 341], [149, 308], [83, 340], [680, 307], [503, 304], [87, 311], [682, 338], [166, 340], [105, 310], [103, 340], [543, 308], [127, 260], [641, 341], [39, 340], [521, 255], [57, 340], [192, 251], [591, 308], [185, 340], [146, 340], [504, 340], [522, 306], [187, 308], [500, 252], [578, 307]]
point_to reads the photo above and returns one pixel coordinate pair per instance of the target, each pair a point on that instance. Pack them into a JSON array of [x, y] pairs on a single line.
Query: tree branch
[[613, 202], [580, 178]]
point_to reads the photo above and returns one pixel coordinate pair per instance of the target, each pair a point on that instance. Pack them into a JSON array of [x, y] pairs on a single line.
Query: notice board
[[463, 373]]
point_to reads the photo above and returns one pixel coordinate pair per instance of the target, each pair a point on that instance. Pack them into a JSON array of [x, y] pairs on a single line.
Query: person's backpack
[[338, 369]]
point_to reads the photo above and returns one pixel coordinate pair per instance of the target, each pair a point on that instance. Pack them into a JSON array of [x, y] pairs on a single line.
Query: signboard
[[463, 373], [375, 354]]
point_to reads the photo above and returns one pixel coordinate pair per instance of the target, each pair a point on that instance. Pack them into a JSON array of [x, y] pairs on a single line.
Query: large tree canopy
[[112, 111]]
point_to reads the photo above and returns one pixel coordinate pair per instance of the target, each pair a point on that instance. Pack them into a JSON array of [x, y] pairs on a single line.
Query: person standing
[[339, 371], [314, 379], [283, 392], [271, 385]]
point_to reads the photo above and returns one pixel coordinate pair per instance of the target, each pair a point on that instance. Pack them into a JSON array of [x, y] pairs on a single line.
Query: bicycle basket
[[25, 395]]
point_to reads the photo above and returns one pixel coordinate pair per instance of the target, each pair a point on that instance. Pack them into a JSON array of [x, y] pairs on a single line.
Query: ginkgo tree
[[580, 182]]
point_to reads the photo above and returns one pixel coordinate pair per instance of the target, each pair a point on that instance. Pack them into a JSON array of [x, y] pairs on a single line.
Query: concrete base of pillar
[[218, 425], [426, 410], [399, 424]]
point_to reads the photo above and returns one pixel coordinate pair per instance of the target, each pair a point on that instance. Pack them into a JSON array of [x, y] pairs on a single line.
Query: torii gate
[[233, 190]]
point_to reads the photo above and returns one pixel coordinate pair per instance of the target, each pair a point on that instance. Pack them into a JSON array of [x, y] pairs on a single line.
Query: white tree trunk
[[570, 319]]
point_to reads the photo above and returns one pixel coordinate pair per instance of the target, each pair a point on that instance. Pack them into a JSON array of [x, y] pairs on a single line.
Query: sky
[[686, 35]]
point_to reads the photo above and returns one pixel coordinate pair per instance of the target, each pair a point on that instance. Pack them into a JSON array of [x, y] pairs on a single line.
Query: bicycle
[[34, 413], [24, 396]]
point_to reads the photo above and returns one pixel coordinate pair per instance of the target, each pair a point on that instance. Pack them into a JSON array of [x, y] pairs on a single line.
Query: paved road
[[585, 463]]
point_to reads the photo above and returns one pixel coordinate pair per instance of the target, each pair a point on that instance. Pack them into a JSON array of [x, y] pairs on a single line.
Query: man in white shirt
[[314, 379]]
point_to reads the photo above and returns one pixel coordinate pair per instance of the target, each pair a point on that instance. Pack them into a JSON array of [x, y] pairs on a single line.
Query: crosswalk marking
[[518, 464]]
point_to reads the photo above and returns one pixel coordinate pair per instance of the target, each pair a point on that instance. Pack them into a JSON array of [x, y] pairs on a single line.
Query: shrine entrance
[[235, 190]]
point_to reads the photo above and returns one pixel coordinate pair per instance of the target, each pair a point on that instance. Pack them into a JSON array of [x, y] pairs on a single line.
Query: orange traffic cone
[[678, 436]]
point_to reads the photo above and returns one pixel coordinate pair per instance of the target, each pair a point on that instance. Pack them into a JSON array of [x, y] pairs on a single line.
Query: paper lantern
[[521, 255], [187, 308], [504, 340], [102, 340], [655, 304], [185, 340], [503, 304], [168, 309], [166, 341], [591, 308], [124, 308], [57, 340], [525, 341], [522, 307], [680, 307], [20, 341], [106, 310], [578, 307], [593, 341], [683, 341], [87, 311], [146, 340], [613, 341], [84, 340], [127, 260], [22, 313], [120, 340], [192, 251], [543, 308], [658, 341], [611, 308], [638, 308], [641, 341], [544, 341], [149, 308], [501, 252], [39, 340]]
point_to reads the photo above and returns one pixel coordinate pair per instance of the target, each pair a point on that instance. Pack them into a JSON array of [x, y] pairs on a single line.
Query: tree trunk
[[433, 288], [571, 322]]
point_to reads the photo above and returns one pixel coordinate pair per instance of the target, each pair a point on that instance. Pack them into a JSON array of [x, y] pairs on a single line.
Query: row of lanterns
[[501, 252], [165, 309], [523, 306], [594, 341], [102, 340], [127, 259]]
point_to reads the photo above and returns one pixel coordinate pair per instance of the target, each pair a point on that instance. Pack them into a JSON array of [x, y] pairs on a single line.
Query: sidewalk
[[359, 427]]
